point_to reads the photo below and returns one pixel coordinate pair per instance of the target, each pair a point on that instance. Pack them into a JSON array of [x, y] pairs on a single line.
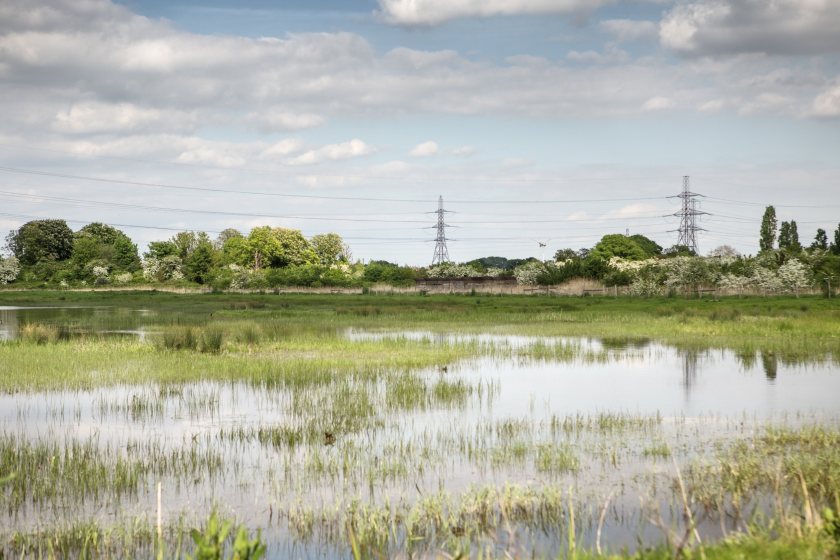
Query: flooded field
[[398, 441]]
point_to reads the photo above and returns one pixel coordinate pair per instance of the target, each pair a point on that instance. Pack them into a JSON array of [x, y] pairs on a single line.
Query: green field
[[377, 426]]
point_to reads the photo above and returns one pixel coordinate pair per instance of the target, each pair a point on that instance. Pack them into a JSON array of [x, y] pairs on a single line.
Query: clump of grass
[[556, 459], [211, 339], [659, 450], [39, 333], [203, 339], [180, 338]]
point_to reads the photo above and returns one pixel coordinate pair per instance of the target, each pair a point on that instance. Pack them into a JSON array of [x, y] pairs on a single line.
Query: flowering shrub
[[9, 270], [528, 273], [122, 278], [161, 270], [450, 270]]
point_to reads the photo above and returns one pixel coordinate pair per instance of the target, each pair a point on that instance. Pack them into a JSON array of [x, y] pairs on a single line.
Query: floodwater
[[688, 400]]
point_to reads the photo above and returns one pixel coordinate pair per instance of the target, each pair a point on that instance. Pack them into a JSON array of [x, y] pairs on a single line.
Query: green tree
[[649, 246], [237, 250], [199, 263], [767, 238], [820, 240], [330, 249], [294, 248], [263, 247], [794, 245], [41, 241], [125, 255], [784, 235], [161, 249], [617, 245], [225, 235], [835, 247], [102, 233]]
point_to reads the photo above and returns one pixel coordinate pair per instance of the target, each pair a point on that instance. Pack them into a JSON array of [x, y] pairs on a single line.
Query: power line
[[305, 196]]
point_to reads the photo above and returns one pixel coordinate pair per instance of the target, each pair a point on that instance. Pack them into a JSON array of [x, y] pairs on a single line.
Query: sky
[[538, 121]]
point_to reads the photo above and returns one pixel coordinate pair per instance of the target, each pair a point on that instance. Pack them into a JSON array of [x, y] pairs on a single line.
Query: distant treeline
[[48, 253]]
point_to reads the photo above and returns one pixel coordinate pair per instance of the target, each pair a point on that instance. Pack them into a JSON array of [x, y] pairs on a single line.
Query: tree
[[724, 251], [125, 255], [226, 235], [767, 237], [185, 243], [237, 250], [9, 269], [820, 240], [294, 248], [835, 247], [102, 233], [617, 245], [41, 241], [794, 245], [330, 249], [649, 246], [794, 276], [263, 247], [565, 255], [199, 263], [678, 251], [161, 249], [97, 241], [784, 236]]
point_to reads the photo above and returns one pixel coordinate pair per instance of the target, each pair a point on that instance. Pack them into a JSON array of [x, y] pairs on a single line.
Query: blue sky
[[537, 120]]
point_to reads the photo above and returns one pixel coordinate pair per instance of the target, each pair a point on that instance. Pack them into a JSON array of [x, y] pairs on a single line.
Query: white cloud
[[464, 151], [425, 149], [712, 106], [611, 55], [96, 117], [713, 27], [433, 12], [629, 29], [331, 152], [273, 120], [827, 104], [283, 148], [658, 103]]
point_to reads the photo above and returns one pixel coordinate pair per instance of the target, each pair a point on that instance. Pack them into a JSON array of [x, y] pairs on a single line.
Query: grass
[[264, 400]]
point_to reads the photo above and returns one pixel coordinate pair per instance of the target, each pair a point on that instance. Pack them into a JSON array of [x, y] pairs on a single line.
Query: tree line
[[49, 253]]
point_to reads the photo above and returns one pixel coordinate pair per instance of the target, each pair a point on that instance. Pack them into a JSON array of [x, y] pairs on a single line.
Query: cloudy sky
[[537, 120]]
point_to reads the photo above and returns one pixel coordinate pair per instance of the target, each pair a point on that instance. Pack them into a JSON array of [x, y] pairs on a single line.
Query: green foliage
[[294, 248], [161, 249], [211, 544], [9, 270], [199, 263], [617, 245], [650, 247], [678, 251], [820, 240], [41, 241], [330, 249], [767, 239], [263, 247], [835, 246], [125, 255], [389, 273]]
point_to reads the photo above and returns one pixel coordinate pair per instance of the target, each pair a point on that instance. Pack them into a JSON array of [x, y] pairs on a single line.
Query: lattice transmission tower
[[688, 217], [441, 252]]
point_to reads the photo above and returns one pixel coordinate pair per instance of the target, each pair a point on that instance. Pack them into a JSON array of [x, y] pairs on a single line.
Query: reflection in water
[[689, 370], [770, 364]]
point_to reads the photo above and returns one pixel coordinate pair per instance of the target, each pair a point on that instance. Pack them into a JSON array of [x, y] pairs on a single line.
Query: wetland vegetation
[[381, 426]]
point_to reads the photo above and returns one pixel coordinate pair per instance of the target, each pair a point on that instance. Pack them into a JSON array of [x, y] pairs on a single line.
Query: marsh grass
[[374, 428]]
